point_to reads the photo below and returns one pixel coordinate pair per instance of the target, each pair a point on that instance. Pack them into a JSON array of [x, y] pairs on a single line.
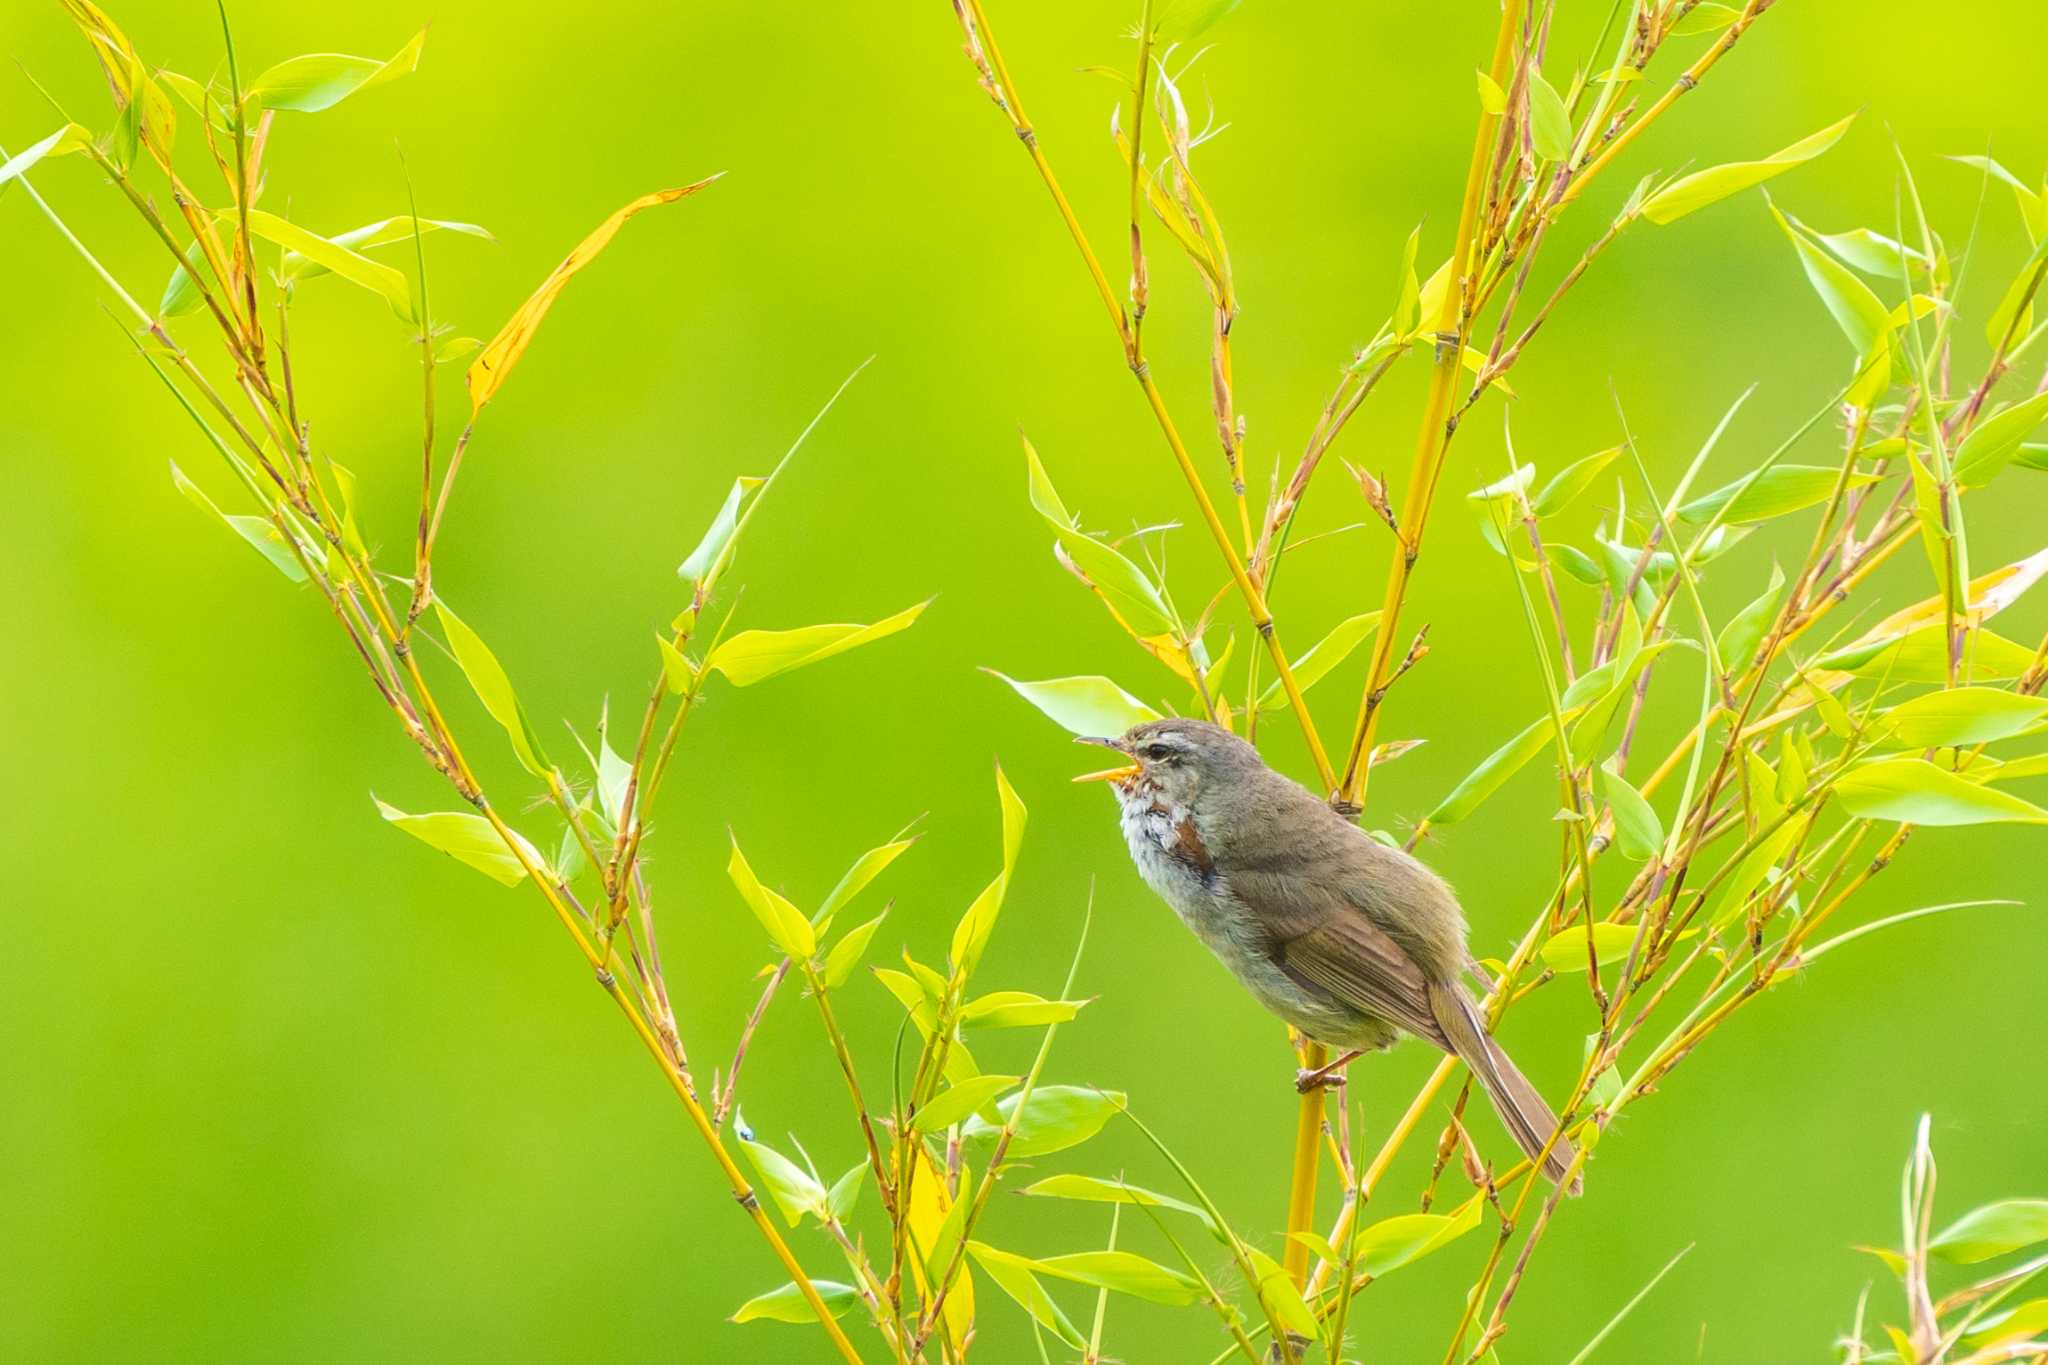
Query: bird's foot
[[1322, 1077], [1317, 1078]]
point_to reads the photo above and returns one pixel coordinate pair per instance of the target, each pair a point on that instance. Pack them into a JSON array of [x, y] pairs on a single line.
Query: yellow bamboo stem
[[1434, 437]]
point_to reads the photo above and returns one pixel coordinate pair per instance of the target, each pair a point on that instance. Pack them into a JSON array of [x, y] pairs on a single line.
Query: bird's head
[[1177, 758]]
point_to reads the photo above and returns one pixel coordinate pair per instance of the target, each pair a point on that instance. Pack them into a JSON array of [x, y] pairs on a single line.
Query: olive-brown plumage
[[1350, 941]]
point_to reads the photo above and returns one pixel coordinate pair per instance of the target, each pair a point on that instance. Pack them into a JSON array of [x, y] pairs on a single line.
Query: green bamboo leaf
[[1922, 656], [712, 545], [1407, 1237], [1733, 897], [1912, 790], [753, 655], [2010, 770], [788, 1303], [2030, 1319], [1740, 638], [1407, 291], [1321, 657], [1589, 729], [321, 80], [493, 688], [1765, 806], [1550, 125], [795, 1190], [614, 775], [677, 672], [954, 1104], [1565, 951], [1703, 18], [1492, 98], [468, 838], [1834, 716], [1574, 479], [1996, 440], [1282, 1299], [357, 269], [971, 934], [260, 532], [1696, 191], [1054, 1118], [1575, 562], [865, 869], [2013, 318], [1089, 705], [1127, 591], [1488, 778], [1963, 715], [1015, 1276], [383, 232], [1018, 1009], [786, 925], [1862, 317], [1992, 1230], [1771, 493], [1638, 832], [1089, 1189], [1793, 768], [1123, 1272], [845, 1192], [2032, 204], [846, 954], [70, 138], [1872, 253]]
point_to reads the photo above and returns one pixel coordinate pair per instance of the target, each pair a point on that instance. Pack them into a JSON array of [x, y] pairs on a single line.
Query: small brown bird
[[1348, 940]]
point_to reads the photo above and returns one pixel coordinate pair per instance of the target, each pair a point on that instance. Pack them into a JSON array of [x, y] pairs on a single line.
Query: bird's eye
[[1158, 753]]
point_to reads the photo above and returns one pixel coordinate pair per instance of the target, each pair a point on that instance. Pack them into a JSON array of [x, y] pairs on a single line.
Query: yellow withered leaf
[[487, 372]]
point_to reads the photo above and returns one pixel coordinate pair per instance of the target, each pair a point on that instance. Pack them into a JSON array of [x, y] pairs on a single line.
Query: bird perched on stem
[[1351, 942]]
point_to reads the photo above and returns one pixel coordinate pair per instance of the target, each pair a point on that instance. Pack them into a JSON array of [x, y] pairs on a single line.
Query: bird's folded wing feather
[[1329, 943]]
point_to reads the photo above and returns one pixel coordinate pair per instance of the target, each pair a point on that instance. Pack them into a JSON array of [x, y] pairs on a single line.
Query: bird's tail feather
[[1528, 1118]]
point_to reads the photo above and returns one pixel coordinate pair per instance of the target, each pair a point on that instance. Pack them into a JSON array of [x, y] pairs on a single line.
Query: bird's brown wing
[[1354, 960], [1324, 941]]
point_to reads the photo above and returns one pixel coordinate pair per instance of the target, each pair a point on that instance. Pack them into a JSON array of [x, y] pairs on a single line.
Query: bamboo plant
[[1684, 889], [1808, 753]]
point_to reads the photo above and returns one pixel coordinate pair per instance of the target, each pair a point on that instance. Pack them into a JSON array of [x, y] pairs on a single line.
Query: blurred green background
[[280, 1083]]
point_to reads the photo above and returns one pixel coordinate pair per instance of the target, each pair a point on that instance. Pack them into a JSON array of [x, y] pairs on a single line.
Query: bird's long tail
[[1527, 1117]]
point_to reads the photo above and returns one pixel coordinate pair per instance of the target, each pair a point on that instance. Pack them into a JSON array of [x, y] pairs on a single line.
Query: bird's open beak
[[1107, 774]]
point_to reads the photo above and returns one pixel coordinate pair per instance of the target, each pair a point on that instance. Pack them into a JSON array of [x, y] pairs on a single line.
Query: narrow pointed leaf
[[1915, 791], [1123, 1272], [788, 1303], [1774, 492], [786, 925], [468, 838], [357, 269], [1993, 1230], [954, 1104], [1964, 715], [493, 688], [754, 655], [1993, 443], [795, 1190], [488, 372], [1015, 1275], [865, 869], [846, 954], [1054, 1118], [1090, 705], [1324, 655], [1696, 191], [321, 80]]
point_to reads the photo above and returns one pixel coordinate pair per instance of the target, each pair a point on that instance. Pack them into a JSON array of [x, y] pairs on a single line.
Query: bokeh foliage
[[280, 1088]]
